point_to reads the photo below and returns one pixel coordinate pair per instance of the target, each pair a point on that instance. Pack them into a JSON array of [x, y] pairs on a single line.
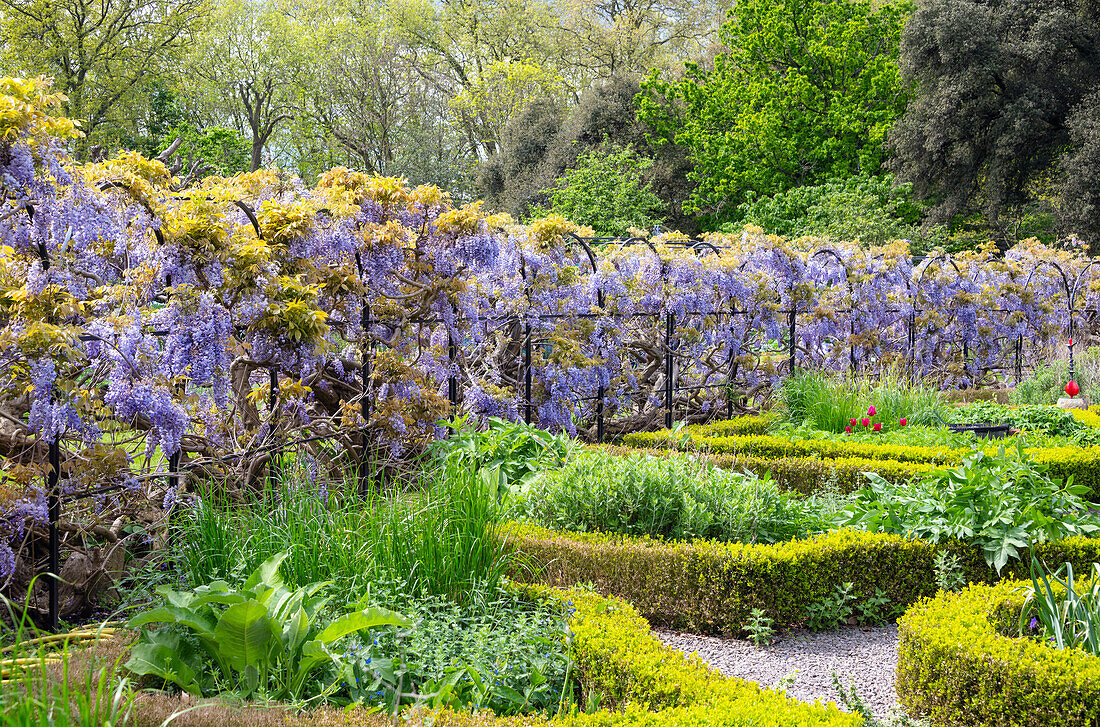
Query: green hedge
[[787, 458], [955, 666], [806, 475], [712, 587], [618, 658]]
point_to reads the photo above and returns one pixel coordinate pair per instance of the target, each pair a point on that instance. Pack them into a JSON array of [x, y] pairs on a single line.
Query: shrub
[[961, 661], [1001, 503], [681, 498], [804, 475], [714, 587]]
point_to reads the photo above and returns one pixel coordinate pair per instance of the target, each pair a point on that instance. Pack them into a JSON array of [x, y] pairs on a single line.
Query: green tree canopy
[[806, 92], [100, 52], [607, 191], [1005, 111]]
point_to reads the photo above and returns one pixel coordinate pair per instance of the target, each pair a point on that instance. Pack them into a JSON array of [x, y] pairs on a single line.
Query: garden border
[[955, 666]]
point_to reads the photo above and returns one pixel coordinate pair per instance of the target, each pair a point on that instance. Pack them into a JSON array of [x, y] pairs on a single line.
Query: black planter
[[984, 430]]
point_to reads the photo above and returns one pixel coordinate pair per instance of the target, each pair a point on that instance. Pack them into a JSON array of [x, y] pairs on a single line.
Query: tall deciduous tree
[[806, 91], [1005, 108], [242, 71], [99, 52]]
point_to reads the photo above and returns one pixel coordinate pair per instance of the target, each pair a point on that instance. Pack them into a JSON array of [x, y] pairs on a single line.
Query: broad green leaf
[[244, 634], [359, 620]]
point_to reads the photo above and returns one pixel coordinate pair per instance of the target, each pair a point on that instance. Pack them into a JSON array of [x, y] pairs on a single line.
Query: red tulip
[[871, 411], [877, 427], [848, 430], [903, 421], [852, 422], [864, 421], [1072, 388]]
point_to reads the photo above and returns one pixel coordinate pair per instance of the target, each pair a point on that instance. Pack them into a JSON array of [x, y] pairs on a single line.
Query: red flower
[[877, 427], [903, 421], [848, 430], [864, 421], [871, 411], [852, 422]]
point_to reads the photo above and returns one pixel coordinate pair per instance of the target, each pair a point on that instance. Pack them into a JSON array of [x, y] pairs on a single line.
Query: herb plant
[[1067, 611], [259, 638], [678, 497], [759, 628], [999, 502]]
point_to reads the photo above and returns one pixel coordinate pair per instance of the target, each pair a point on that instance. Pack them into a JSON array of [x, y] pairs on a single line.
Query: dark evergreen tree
[[1004, 112]]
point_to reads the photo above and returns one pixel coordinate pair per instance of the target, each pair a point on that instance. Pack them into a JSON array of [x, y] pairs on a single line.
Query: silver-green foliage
[[680, 497]]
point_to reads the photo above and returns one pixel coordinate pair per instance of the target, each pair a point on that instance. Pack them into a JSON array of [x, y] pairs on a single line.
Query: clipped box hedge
[[786, 458], [805, 475], [955, 666], [708, 586]]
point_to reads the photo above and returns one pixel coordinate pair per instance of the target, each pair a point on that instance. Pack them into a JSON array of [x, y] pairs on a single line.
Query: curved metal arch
[[1077, 283], [1056, 266], [251, 215], [697, 247], [109, 184]]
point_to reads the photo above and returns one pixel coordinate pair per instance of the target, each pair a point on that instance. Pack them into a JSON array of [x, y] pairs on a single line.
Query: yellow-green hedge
[[711, 586], [955, 666], [619, 659], [805, 475], [791, 457]]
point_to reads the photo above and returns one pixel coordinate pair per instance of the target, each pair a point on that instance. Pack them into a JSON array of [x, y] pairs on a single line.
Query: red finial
[[1072, 388]]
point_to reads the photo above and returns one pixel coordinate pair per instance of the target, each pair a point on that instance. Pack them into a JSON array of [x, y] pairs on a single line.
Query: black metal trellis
[[523, 323]]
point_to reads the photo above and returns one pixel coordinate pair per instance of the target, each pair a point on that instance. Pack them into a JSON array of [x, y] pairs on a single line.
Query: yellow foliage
[[27, 107], [146, 180], [548, 231], [463, 221], [280, 223]]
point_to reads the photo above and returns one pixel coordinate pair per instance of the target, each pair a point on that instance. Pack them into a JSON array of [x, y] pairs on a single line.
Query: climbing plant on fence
[[144, 326]]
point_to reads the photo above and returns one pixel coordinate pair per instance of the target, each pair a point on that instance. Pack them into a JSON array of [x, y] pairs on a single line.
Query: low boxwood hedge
[[956, 666], [758, 452], [806, 475], [708, 586]]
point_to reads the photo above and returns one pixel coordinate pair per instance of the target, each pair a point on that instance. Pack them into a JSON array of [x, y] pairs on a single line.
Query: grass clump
[[830, 403]]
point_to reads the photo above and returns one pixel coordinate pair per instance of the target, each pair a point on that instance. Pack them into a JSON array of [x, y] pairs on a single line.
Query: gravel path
[[865, 656]]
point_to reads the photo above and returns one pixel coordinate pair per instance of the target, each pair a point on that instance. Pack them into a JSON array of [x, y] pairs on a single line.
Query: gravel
[[864, 656]]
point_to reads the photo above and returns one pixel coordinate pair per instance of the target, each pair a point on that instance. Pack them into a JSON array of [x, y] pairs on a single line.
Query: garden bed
[[960, 663]]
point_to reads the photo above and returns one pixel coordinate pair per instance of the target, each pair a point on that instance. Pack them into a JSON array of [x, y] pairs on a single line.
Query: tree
[[216, 150], [806, 91], [242, 71], [607, 192], [545, 141], [1004, 110], [99, 52]]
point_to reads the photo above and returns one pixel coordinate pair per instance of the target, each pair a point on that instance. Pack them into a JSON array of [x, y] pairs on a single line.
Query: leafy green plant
[[999, 502], [510, 655], [678, 497], [1069, 618], [507, 455], [833, 610], [759, 628], [606, 191], [259, 637], [874, 610], [948, 571]]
